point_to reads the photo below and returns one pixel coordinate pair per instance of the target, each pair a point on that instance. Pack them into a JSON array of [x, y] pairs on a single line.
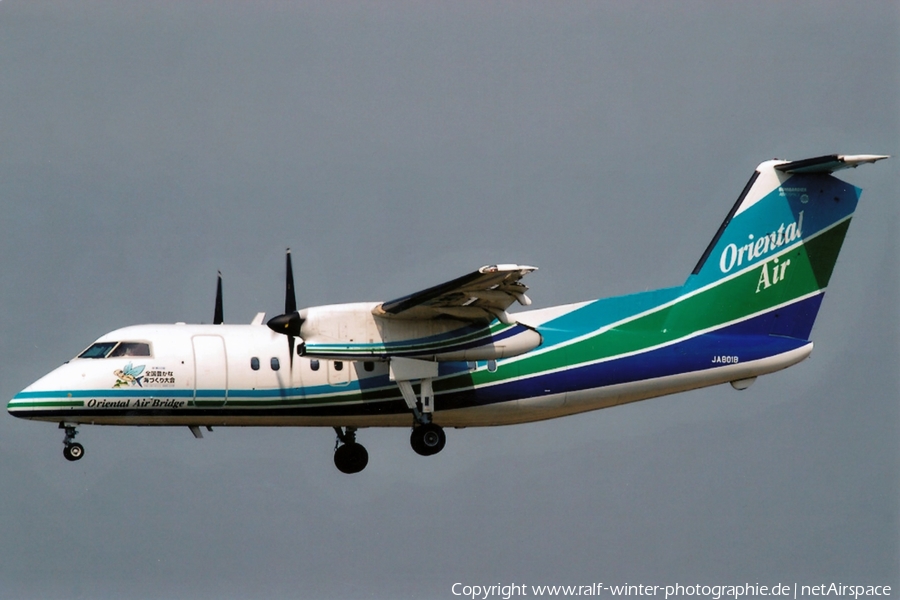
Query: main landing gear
[[352, 457], [72, 450], [427, 438], [349, 455]]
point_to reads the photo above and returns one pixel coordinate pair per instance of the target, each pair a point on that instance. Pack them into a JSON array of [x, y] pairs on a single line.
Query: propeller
[[219, 318], [290, 322]]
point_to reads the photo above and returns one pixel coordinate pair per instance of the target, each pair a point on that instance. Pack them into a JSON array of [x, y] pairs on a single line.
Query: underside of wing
[[482, 295]]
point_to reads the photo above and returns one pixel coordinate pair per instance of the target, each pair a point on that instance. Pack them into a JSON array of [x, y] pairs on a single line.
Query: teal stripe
[[110, 393], [437, 342], [601, 313]]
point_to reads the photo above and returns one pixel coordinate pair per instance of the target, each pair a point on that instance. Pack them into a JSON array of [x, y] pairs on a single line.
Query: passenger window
[[131, 349], [314, 364], [254, 363], [338, 365], [492, 366], [98, 350], [369, 366], [274, 363]]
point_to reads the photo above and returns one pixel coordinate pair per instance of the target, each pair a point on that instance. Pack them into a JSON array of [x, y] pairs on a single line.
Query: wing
[[479, 296]]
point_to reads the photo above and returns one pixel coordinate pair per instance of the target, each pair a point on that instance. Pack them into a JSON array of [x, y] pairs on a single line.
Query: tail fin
[[773, 256]]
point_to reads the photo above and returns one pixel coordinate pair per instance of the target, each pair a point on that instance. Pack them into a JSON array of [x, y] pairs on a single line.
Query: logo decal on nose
[[129, 376]]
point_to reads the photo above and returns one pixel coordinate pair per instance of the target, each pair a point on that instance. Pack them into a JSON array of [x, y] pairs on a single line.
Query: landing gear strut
[[427, 439], [349, 455], [72, 450]]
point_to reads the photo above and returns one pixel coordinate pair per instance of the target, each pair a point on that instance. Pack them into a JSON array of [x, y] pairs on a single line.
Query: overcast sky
[[392, 146]]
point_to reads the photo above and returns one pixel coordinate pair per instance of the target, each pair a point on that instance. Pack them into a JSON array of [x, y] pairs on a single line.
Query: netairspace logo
[[713, 592]]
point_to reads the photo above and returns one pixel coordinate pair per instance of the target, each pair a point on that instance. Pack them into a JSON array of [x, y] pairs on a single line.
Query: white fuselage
[[241, 375]]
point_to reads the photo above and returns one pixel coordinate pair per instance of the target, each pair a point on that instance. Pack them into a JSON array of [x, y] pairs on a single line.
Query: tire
[[351, 458], [427, 440], [73, 451]]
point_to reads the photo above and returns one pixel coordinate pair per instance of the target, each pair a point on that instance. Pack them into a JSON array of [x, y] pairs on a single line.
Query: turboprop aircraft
[[453, 356]]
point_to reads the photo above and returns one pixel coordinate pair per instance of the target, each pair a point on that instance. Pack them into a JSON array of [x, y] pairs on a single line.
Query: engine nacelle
[[353, 332]]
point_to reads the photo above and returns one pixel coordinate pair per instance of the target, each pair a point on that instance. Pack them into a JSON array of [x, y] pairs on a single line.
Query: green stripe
[[14, 404]]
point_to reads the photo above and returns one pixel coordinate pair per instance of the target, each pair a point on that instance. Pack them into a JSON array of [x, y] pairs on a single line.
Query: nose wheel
[[427, 439], [72, 450]]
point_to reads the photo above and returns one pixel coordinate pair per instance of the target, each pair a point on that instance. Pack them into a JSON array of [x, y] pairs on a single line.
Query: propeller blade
[[219, 317], [290, 322], [290, 301]]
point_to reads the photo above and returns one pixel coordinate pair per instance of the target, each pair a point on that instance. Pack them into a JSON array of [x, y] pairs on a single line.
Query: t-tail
[[766, 270]]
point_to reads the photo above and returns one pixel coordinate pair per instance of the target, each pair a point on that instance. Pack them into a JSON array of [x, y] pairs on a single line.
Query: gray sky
[[393, 146]]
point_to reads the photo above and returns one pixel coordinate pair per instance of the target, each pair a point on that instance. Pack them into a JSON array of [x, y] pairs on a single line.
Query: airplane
[[453, 356]]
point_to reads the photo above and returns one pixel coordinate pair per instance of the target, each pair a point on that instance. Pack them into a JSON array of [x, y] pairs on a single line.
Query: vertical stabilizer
[[773, 256]]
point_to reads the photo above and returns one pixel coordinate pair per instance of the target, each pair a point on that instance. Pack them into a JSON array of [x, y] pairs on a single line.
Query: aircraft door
[[210, 371]]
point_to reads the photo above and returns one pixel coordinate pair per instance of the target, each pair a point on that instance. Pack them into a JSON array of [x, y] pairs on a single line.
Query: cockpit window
[[98, 350], [113, 349], [131, 349]]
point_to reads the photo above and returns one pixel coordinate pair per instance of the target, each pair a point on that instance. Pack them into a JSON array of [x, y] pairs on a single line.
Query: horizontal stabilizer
[[829, 163]]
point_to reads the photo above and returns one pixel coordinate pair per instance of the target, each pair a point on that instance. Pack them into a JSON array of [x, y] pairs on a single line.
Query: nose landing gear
[[72, 450]]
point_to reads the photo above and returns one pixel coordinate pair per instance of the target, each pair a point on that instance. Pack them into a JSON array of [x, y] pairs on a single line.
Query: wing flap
[[477, 296]]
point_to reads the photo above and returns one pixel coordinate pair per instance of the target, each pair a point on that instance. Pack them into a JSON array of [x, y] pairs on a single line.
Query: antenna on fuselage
[[219, 317]]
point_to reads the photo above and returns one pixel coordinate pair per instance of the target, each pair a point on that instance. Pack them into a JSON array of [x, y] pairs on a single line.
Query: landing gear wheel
[[427, 439], [73, 451], [351, 458]]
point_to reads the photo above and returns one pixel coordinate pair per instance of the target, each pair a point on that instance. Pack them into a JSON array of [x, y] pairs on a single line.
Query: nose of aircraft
[[20, 404], [45, 396]]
